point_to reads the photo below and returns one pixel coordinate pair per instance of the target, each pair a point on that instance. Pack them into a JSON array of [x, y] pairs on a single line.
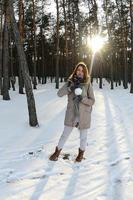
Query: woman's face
[[80, 71]]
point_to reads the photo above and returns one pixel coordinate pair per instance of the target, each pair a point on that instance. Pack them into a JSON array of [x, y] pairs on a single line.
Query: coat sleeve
[[64, 90], [90, 99]]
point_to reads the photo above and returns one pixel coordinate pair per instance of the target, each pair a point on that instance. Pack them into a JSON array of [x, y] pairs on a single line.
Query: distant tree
[[57, 45], [108, 24], [21, 30], [66, 36], [1, 39], [131, 15], [122, 13], [35, 42]]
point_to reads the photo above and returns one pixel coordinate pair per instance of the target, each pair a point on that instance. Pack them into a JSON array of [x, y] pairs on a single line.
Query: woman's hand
[[71, 86], [78, 93], [79, 98], [77, 80]]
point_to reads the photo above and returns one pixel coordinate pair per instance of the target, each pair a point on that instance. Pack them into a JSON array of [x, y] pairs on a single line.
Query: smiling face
[[80, 71]]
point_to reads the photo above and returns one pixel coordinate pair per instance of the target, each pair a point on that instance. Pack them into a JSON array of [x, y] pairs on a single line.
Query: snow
[[27, 173]]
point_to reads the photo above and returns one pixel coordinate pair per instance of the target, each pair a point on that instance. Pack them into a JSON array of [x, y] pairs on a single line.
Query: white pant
[[66, 132]]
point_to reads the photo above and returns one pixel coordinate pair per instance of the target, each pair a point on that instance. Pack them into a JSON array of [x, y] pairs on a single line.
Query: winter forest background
[[46, 39], [41, 41]]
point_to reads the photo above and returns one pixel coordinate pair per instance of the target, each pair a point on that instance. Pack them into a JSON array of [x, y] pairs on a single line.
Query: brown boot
[[55, 155], [80, 156]]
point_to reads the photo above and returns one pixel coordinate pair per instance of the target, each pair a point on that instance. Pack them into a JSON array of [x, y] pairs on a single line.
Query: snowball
[[78, 91]]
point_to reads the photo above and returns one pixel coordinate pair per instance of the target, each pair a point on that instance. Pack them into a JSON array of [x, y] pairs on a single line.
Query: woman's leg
[[83, 143], [62, 140], [66, 132], [83, 139]]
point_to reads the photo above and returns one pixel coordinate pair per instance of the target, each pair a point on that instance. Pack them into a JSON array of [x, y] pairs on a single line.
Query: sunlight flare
[[96, 43]]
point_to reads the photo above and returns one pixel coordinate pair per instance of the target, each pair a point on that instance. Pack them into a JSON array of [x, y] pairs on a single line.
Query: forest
[[37, 45], [66, 99]]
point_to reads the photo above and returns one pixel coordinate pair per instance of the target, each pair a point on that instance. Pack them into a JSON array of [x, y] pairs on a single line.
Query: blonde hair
[[85, 70]]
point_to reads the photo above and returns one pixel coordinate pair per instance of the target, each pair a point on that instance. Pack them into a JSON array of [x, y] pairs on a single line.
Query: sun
[[96, 43]]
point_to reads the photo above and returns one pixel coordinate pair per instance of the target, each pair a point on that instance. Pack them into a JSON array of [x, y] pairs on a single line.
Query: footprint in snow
[[118, 161]]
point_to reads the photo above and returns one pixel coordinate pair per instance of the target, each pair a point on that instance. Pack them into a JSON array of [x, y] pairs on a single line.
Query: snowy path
[[105, 174]]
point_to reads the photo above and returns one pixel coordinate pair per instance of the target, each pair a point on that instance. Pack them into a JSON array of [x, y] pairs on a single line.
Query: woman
[[78, 114]]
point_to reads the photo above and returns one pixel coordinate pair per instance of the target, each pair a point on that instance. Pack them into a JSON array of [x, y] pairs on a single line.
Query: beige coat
[[85, 106]]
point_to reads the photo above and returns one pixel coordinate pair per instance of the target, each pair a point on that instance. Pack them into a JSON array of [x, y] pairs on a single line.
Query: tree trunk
[[100, 71], [111, 56], [21, 81], [24, 67], [35, 48], [12, 77], [74, 40], [43, 71], [57, 46], [6, 57], [131, 15], [124, 43], [1, 28], [79, 30], [66, 35], [21, 30]]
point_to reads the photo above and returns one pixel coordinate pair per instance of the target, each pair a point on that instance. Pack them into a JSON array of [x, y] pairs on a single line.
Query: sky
[[51, 7]]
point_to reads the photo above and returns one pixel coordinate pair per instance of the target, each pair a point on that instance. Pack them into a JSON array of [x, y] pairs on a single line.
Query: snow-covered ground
[[25, 170]]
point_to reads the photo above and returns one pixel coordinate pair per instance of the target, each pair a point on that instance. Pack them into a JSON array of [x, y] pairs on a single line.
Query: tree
[[66, 37], [122, 20], [24, 67], [57, 45], [79, 29], [110, 42], [35, 47], [131, 15], [5, 91], [21, 30], [1, 38]]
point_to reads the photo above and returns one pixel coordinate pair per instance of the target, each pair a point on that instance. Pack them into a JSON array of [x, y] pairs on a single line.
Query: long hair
[[86, 77]]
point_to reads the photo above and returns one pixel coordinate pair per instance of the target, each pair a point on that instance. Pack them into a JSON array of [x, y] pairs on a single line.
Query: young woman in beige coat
[[80, 94]]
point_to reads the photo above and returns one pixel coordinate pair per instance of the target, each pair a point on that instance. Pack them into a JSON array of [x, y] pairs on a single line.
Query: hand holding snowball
[[78, 91]]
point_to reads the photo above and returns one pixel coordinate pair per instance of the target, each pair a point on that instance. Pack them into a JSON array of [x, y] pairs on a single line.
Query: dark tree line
[[36, 45]]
